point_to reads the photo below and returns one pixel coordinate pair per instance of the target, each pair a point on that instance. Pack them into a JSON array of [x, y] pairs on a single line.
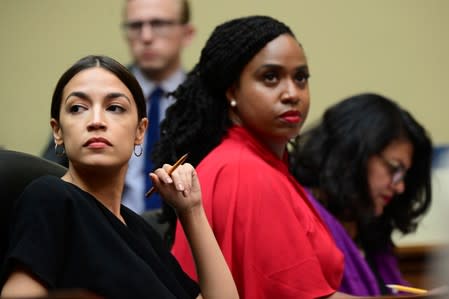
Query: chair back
[[17, 170]]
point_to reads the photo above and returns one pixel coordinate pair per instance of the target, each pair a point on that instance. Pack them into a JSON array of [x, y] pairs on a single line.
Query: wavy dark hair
[[198, 120], [331, 158]]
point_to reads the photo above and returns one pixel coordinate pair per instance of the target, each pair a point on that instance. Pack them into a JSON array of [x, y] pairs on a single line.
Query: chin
[[378, 211]]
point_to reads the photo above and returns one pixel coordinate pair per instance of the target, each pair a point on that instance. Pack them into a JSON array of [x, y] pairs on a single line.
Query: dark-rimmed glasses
[[160, 27], [395, 168]]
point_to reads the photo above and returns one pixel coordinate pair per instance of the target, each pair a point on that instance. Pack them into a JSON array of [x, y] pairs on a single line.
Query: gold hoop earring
[[140, 150]]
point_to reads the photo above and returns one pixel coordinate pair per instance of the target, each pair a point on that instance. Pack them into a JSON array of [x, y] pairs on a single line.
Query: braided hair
[[198, 120]]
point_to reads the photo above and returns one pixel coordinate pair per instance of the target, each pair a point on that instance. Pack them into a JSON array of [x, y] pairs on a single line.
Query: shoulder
[[237, 168], [44, 186], [232, 155], [48, 193]]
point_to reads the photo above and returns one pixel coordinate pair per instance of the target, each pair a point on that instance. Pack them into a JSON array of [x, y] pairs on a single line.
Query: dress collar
[[243, 135]]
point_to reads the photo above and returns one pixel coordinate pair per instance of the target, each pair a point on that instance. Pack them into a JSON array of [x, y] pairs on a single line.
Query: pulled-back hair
[[198, 120], [332, 158], [104, 62]]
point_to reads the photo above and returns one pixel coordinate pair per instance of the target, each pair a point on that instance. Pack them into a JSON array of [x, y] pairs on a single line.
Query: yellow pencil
[[400, 288]]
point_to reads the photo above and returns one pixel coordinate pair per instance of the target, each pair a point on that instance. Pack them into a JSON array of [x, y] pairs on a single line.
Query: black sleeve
[[190, 286], [188, 283], [38, 230]]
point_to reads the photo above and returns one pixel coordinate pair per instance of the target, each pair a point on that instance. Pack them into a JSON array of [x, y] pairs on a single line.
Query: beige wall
[[399, 48]]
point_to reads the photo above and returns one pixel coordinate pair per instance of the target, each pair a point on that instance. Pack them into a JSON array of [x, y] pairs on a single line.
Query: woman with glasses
[[366, 167]]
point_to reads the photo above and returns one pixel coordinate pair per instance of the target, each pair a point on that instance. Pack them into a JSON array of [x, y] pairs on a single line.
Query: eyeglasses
[[160, 27], [396, 170]]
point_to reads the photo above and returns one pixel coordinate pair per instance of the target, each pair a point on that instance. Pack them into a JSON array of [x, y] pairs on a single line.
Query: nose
[[146, 33], [399, 187], [290, 93], [97, 122]]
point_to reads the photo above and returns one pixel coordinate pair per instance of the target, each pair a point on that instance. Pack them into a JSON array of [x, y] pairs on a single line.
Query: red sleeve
[[267, 236]]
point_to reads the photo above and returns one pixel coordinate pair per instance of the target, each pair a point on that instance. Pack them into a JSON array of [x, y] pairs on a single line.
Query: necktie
[[152, 135]]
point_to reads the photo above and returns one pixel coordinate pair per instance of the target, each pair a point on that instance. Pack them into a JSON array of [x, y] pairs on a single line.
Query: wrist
[[187, 215]]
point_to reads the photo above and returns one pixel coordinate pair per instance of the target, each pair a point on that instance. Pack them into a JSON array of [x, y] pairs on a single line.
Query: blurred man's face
[[156, 35]]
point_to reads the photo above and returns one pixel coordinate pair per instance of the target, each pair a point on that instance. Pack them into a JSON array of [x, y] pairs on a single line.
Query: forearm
[[214, 276], [22, 284]]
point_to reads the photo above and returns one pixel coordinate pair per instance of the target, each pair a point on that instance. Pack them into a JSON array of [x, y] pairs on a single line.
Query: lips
[[97, 141], [291, 116], [387, 199]]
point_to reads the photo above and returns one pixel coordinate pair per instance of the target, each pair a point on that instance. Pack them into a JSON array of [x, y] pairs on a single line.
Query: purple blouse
[[358, 278]]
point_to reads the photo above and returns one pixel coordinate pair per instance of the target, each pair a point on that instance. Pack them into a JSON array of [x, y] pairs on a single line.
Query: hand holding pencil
[[178, 185], [434, 293], [170, 171], [400, 288]]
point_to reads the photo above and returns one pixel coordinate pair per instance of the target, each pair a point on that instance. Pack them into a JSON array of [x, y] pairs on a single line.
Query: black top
[[68, 239]]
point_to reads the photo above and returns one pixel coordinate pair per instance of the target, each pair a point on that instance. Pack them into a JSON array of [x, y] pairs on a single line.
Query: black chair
[[17, 170]]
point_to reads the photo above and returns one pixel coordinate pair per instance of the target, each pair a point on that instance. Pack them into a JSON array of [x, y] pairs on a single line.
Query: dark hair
[[106, 63], [185, 12], [332, 158], [198, 120]]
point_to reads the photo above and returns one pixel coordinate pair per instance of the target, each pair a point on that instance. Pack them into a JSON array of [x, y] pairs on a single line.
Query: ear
[[231, 93], [140, 131], [57, 132], [189, 34]]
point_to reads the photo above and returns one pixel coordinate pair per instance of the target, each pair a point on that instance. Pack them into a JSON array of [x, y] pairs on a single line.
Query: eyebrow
[[304, 67], [109, 96]]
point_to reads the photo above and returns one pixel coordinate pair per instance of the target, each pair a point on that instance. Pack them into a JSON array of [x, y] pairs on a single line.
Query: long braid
[[188, 127]]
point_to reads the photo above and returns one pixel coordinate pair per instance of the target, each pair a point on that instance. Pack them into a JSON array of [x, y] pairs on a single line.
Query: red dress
[[271, 237]]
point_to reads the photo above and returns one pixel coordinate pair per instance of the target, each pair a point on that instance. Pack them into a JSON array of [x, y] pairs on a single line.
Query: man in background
[[156, 32]]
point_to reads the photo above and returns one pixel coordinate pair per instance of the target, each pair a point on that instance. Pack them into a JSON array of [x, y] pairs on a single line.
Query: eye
[[270, 77], [116, 108], [137, 25], [302, 77], [77, 108]]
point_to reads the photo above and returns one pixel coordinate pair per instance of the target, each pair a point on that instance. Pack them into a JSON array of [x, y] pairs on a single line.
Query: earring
[[233, 103], [139, 151], [59, 150]]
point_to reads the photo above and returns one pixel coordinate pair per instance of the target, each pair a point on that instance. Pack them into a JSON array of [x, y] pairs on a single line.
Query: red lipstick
[[291, 116]]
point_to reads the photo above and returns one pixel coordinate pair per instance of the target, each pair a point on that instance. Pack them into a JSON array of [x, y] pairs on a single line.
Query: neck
[[277, 147], [105, 185], [159, 75]]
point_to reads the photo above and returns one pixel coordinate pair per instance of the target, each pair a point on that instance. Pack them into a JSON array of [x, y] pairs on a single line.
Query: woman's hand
[[181, 189]]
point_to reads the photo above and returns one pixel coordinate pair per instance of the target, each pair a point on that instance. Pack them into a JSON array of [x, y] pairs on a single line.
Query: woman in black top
[[73, 232]]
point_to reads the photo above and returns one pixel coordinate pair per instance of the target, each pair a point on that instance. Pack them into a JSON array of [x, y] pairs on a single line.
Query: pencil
[[401, 288], [177, 163]]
